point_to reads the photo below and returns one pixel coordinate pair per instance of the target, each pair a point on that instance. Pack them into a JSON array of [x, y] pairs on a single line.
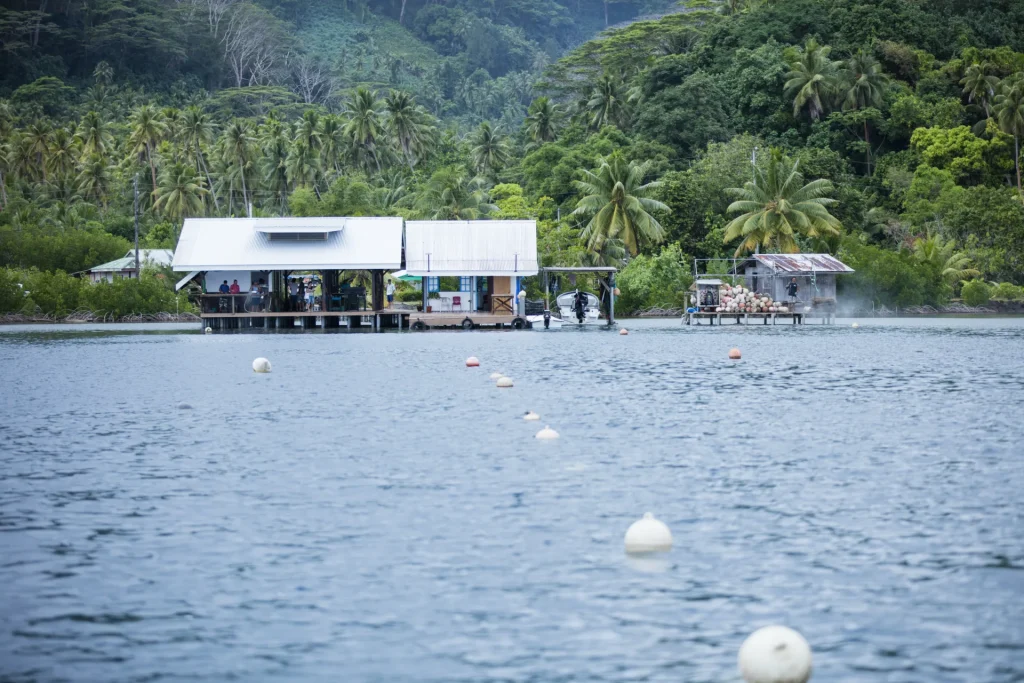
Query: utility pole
[[138, 265]]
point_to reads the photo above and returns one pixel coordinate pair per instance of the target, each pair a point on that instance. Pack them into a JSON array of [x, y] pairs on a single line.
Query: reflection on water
[[373, 510]]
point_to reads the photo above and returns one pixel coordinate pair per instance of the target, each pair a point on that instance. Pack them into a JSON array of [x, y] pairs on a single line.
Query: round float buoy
[[504, 382], [617, 292], [775, 654], [734, 354], [623, 332], [547, 434], [472, 362], [496, 376], [648, 535], [208, 330], [261, 365], [531, 416], [855, 325]]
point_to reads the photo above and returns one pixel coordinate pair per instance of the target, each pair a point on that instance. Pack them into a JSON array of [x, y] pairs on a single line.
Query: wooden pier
[[713, 318], [370, 320]]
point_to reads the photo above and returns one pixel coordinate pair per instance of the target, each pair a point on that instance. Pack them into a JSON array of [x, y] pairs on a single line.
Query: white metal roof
[[443, 248], [245, 244], [159, 257]]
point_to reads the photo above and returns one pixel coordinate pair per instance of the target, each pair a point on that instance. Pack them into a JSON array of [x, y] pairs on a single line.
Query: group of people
[[303, 294]]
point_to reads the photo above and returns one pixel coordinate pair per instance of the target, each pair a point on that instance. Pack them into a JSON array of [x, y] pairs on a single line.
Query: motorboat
[[545, 321], [591, 311]]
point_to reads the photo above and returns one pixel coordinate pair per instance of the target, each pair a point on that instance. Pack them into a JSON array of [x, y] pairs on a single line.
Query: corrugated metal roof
[[244, 244], [803, 263], [160, 257], [442, 248]]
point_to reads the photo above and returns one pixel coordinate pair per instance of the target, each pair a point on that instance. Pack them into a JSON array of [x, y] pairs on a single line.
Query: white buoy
[[261, 365], [496, 376], [208, 330], [775, 654], [623, 331], [855, 325], [547, 434], [504, 383], [648, 535], [472, 362], [531, 416]]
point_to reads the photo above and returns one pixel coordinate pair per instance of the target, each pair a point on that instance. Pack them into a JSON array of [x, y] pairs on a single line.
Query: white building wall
[[215, 277]]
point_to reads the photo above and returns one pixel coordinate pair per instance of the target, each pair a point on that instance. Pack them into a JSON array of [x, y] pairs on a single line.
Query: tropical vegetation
[[886, 132]]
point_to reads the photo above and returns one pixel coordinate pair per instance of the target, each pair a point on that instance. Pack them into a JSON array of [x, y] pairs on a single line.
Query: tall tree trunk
[[209, 180], [401, 15], [245, 192], [1016, 161], [867, 143], [3, 191], [152, 166], [606, 13]]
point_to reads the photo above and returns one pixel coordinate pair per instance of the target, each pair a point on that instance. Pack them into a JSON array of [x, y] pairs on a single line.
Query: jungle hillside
[[641, 134]]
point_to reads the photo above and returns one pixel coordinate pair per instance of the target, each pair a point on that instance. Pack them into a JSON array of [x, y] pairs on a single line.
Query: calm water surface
[[375, 511]]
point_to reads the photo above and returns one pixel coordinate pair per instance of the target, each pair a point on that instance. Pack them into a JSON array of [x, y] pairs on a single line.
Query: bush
[[976, 293], [1007, 291], [410, 296], [890, 278], [654, 281], [59, 294]]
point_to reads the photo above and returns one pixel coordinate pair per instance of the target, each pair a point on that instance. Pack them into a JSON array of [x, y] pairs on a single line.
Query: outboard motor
[[547, 320]]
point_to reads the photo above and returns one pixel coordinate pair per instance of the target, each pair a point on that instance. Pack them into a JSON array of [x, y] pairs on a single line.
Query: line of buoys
[[504, 383], [208, 330], [547, 434], [648, 535], [495, 376], [734, 354], [775, 654], [623, 332], [472, 362], [531, 416], [261, 365]]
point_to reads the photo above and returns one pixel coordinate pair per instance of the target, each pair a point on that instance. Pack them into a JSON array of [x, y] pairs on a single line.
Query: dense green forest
[[641, 134]]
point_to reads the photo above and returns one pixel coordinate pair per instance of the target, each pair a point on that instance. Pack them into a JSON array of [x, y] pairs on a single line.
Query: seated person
[[224, 289], [235, 289]]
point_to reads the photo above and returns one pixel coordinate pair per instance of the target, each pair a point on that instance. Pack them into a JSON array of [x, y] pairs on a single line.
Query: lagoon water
[[372, 510]]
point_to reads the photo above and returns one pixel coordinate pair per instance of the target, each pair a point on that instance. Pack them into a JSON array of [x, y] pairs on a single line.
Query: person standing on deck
[[791, 289], [224, 288], [234, 288], [391, 293], [293, 294]]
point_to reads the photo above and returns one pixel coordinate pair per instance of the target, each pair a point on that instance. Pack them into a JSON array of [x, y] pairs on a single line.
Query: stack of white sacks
[[740, 299]]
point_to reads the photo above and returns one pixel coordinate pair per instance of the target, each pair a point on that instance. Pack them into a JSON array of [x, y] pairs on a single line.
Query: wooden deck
[[459, 318], [714, 318], [308, 314]]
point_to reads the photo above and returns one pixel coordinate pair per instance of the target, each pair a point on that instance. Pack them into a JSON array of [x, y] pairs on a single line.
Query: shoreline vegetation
[[637, 134]]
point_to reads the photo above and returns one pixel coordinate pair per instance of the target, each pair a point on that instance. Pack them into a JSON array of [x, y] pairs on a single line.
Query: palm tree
[[94, 178], [61, 160], [364, 125], [302, 166], [239, 149], [37, 137], [619, 205], [196, 131], [147, 128], [332, 137], [275, 162], [954, 265], [308, 130], [408, 124], [607, 103], [452, 194], [778, 207], [811, 80], [980, 86], [865, 83], [542, 121], [103, 74], [1008, 108], [489, 149], [94, 136], [179, 193]]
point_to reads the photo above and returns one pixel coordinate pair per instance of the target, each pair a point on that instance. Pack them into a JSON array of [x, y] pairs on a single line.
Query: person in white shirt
[[391, 292]]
